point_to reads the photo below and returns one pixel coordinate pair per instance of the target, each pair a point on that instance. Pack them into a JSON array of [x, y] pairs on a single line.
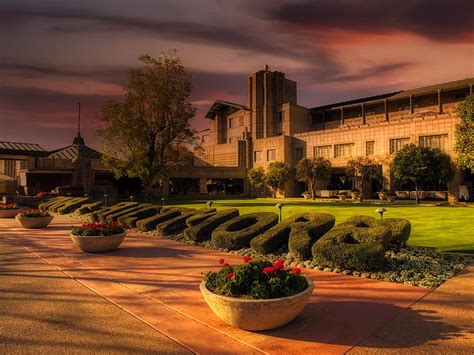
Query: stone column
[[203, 186], [387, 178]]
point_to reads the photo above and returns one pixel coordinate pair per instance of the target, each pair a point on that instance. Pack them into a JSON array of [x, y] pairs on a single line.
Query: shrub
[[178, 223], [122, 206], [114, 216], [351, 247], [400, 228], [70, 206], [44, 205], [129, 219], [257, 279], [277, 236], [304, 234], [54, 206], [200, 217], [203, 231], [89, 208], [239, 231], [150, 223]]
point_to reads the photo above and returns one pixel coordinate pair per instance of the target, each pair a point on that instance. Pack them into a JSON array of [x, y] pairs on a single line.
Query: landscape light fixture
[[105, 200], [132, 198], [209, 204], [380, 211], [279, 205], [163, 199], [86, 195]]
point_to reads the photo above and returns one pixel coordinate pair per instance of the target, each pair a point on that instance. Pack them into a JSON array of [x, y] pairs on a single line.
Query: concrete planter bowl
[[9, 213], [34, 222], [257, 315], [98, 244]]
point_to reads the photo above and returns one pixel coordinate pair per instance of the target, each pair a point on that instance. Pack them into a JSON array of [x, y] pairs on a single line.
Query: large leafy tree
[[144, 133], [362, 170], [277, 174], [422, 166], [256, 178], [313, 170], [465, 135]]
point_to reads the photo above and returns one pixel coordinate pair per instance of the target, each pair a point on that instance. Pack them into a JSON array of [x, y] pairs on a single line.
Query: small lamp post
[[380, 211], [105, 199], [86, 195], [279, 205], [132, 198], [68, 194], [209, 204], [163, 199]]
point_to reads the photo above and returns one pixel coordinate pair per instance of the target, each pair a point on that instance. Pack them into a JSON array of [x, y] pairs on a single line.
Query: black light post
[[132, 198], [380, 211], [163, 199], [209, 204], [105, 200]]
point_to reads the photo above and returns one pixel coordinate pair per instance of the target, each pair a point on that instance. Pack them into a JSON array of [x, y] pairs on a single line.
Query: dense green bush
[[178, 224], [351, 247], [203, 231], [239, 231], [89, 208], [56, 206], [200, 217], [305, 233], [257, 279], [70, 206], [277, 236], [129, 219], [122, 206], [44, 205], [115, 216], [150, 223]]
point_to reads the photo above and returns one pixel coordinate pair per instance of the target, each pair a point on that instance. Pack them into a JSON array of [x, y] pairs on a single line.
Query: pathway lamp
[[380, 211], [163, 199], [209, 204], [105, 199], [132, 198], [279, 205]]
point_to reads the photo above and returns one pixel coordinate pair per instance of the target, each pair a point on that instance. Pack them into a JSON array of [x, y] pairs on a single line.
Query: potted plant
[[32, 219], [98, 236], [256, 295], [391, 198], [355, 195], [342, 195], [8, 210], [382, 195]]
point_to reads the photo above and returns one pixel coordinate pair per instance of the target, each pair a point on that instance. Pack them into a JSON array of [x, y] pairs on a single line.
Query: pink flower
[[296, 271], [247, 258], [220, 261], [229, 275], [225, 265]]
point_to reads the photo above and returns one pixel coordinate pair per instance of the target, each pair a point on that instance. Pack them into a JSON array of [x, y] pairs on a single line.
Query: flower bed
[[8, 210], [98, 228], [32, 219], [33, 214]]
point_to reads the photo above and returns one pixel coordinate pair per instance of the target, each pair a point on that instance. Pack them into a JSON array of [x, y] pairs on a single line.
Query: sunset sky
[[54, 54]]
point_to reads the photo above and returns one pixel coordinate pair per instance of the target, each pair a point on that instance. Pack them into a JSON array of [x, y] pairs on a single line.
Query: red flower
[[225, 265], [268, 269], [220, 261], [247, 258], [229, 275], [296, 271], [278, 265]]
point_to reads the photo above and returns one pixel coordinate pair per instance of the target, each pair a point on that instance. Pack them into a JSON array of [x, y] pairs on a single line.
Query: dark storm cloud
[[435, 19]]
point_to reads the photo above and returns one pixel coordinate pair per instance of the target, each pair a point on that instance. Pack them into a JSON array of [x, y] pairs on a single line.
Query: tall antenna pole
[[79, 121]]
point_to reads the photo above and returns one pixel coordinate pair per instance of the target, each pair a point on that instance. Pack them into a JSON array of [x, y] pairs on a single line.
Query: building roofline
[[220, 104]]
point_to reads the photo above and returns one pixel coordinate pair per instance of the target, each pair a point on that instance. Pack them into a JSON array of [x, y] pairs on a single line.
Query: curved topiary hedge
[[129, 219], [239, 231], [150, 223], [122, 206], [56, 206], [44, 205], [351, 247], [178, 224], [400, 228], [70, 206], [304, 234], [89, 208], [115, 216], [203, 231], [200, 217]]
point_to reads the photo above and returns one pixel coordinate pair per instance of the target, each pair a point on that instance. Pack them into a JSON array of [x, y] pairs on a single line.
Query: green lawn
[[445, 228]]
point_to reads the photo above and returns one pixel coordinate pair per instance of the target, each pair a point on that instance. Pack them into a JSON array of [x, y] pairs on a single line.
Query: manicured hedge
[[203, 231], [178, 224], [351, 247], [304, 234], [239, 231], [44, 205], [89, 207], [200, 217], [122, 206], [128, 220], [72, 205], [56, 206], [114, 216], [277, 236], [150, 223]]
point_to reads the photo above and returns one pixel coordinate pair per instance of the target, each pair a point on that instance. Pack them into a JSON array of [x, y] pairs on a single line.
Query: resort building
[[273, 127]]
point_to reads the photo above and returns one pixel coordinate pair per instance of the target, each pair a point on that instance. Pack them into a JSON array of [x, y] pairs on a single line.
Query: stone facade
[[274, 127]]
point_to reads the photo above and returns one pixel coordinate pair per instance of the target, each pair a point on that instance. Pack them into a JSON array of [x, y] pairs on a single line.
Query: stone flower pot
[[98, 244], [264, 314], [382, 195], [342, 198], [34, 222], [9, 213]]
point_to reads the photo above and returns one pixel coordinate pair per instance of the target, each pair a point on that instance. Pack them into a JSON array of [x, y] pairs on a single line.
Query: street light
[[279, 206], [209, 204], [380, 211]]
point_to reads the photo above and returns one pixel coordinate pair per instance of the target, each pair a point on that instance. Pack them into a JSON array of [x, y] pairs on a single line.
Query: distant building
[[273, 127]]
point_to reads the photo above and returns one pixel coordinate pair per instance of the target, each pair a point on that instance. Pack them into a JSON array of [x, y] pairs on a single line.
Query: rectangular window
[[343, 150], [298, 154], [397, 144], [439, 141], [323, 151], [230, 140], [257, 155], [232, 122], [369, 147], [271, 154], [281, 116]]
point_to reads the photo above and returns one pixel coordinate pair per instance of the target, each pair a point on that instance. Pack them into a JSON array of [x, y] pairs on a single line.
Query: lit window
[[397, 144], [439, 141], [369, 147], [343, 150], [271, 154], [257, 155], [323, 151]]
